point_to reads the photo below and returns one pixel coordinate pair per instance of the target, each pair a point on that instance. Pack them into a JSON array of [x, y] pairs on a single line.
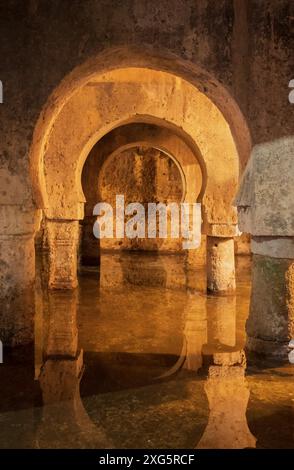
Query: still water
[[137, 364]]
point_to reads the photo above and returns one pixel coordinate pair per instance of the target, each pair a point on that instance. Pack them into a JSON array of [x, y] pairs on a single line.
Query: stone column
[[63, 239], [17, 261], [220, 264], [270, 325], [266, 211]]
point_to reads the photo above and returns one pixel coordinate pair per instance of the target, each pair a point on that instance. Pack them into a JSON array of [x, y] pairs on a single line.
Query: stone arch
[[111, 146], [127, 56], [110, 91], [136, 134], [117, 99]]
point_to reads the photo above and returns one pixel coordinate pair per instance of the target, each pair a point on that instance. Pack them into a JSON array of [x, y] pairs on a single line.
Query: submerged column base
[[17, 261], [270, 324]]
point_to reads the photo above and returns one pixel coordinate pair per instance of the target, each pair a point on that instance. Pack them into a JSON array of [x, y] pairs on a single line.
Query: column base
[[270, 324]]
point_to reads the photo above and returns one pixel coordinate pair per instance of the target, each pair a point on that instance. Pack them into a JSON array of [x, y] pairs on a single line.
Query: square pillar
[[270, 324], [17, 261], [63, 240]]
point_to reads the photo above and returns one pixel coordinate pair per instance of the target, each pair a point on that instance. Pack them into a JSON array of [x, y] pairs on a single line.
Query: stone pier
[[266, 211], [17, 262], [63, 239]]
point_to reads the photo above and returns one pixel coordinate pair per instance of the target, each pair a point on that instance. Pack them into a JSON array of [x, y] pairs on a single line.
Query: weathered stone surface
[[275, 247], [232, 358], [17, 275], [270, 325], [220, 230], [141, 174], [266, 211], [220, 264], [243, 244], [63, 238], [265, 199]]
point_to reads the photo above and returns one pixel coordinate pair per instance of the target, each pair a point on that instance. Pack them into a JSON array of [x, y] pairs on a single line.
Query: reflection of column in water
[[111, 272], [62, 330], [194, 336], [65, 422], [195, 331], [221, 315], [228, 395]]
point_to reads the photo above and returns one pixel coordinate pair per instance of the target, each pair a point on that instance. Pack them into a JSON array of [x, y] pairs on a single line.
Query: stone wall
[[244, 44]]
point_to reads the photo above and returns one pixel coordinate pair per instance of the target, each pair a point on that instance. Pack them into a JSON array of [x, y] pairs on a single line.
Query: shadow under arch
[[146, 143], [153, 132]]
